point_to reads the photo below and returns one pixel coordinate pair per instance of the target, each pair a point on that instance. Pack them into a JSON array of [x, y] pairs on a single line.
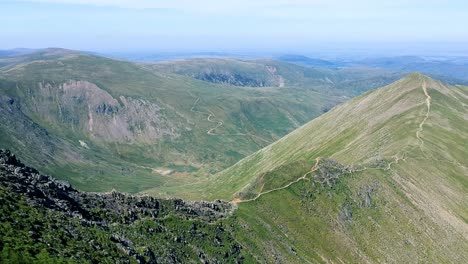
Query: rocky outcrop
[[329, 172], [125, 222], [45, 191], [230, 79], [260, 76]]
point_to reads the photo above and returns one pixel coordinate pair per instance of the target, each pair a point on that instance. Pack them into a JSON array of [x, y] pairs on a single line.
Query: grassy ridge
[[377, 125], [400, 195]]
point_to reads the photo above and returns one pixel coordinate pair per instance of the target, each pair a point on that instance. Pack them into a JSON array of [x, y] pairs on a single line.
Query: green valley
[[106, 124]]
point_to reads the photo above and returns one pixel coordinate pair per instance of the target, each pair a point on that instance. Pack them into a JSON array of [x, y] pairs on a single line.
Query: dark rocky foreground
[[44, 218]]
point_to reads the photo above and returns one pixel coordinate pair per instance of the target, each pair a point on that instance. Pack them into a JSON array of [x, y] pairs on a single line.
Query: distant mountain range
[[450, 69]]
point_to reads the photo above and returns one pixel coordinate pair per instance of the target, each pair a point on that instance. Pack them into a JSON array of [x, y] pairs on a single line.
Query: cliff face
[[48, 215], [82, 107]]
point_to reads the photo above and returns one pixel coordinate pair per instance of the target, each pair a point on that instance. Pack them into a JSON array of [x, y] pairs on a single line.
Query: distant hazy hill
[[452, 70], [15, 52], [104, 123], [380, 178], [306, 61]]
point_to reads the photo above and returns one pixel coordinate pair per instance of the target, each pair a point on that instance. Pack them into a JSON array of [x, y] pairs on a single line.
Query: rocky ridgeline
[[43, 190], [142, 228]]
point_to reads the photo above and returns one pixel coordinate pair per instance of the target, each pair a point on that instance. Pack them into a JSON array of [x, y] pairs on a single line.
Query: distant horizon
[[460, 50], [271, 26]]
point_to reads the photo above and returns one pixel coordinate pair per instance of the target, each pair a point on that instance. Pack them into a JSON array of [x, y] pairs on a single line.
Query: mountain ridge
[[414, 81], [392, 190]]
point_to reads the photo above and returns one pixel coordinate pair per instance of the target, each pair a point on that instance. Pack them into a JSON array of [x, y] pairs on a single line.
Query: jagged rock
[[151, 257], [43, 190], [345, 214], [330, 171], [365, 195], [103, 211]]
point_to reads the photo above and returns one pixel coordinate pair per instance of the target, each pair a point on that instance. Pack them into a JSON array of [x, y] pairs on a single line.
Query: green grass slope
[[380, 178], [381, 124]]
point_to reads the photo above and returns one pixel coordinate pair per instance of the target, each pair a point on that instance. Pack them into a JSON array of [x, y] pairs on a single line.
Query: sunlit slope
[[364, 217], [386, 180], [380, 125]]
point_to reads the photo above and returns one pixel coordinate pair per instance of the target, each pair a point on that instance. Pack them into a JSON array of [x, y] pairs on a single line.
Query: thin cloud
[[186, 4]]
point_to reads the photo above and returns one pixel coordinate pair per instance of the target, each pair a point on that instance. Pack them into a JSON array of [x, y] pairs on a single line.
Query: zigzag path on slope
[[219, 123]]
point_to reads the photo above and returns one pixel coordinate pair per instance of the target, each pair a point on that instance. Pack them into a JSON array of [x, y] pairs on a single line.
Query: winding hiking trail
[[317, 160], [209, 116], [428, 104], [303, 177], [418, 131], [220, 123]]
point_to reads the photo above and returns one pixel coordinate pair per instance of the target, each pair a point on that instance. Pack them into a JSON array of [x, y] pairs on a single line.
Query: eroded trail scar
[[303, 177], [428, 104], [209, 118]]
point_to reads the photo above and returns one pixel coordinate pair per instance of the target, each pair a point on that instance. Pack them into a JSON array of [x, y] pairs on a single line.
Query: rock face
[[266, 76], [230, 79], [84, 107], [117, 215]]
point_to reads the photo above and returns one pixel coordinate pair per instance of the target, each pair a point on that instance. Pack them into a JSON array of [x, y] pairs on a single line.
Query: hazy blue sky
[[221, 25]]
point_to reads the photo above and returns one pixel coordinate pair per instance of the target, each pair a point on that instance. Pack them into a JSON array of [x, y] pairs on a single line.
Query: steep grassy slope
[[381, 178], [379, 125], [106, 124]]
